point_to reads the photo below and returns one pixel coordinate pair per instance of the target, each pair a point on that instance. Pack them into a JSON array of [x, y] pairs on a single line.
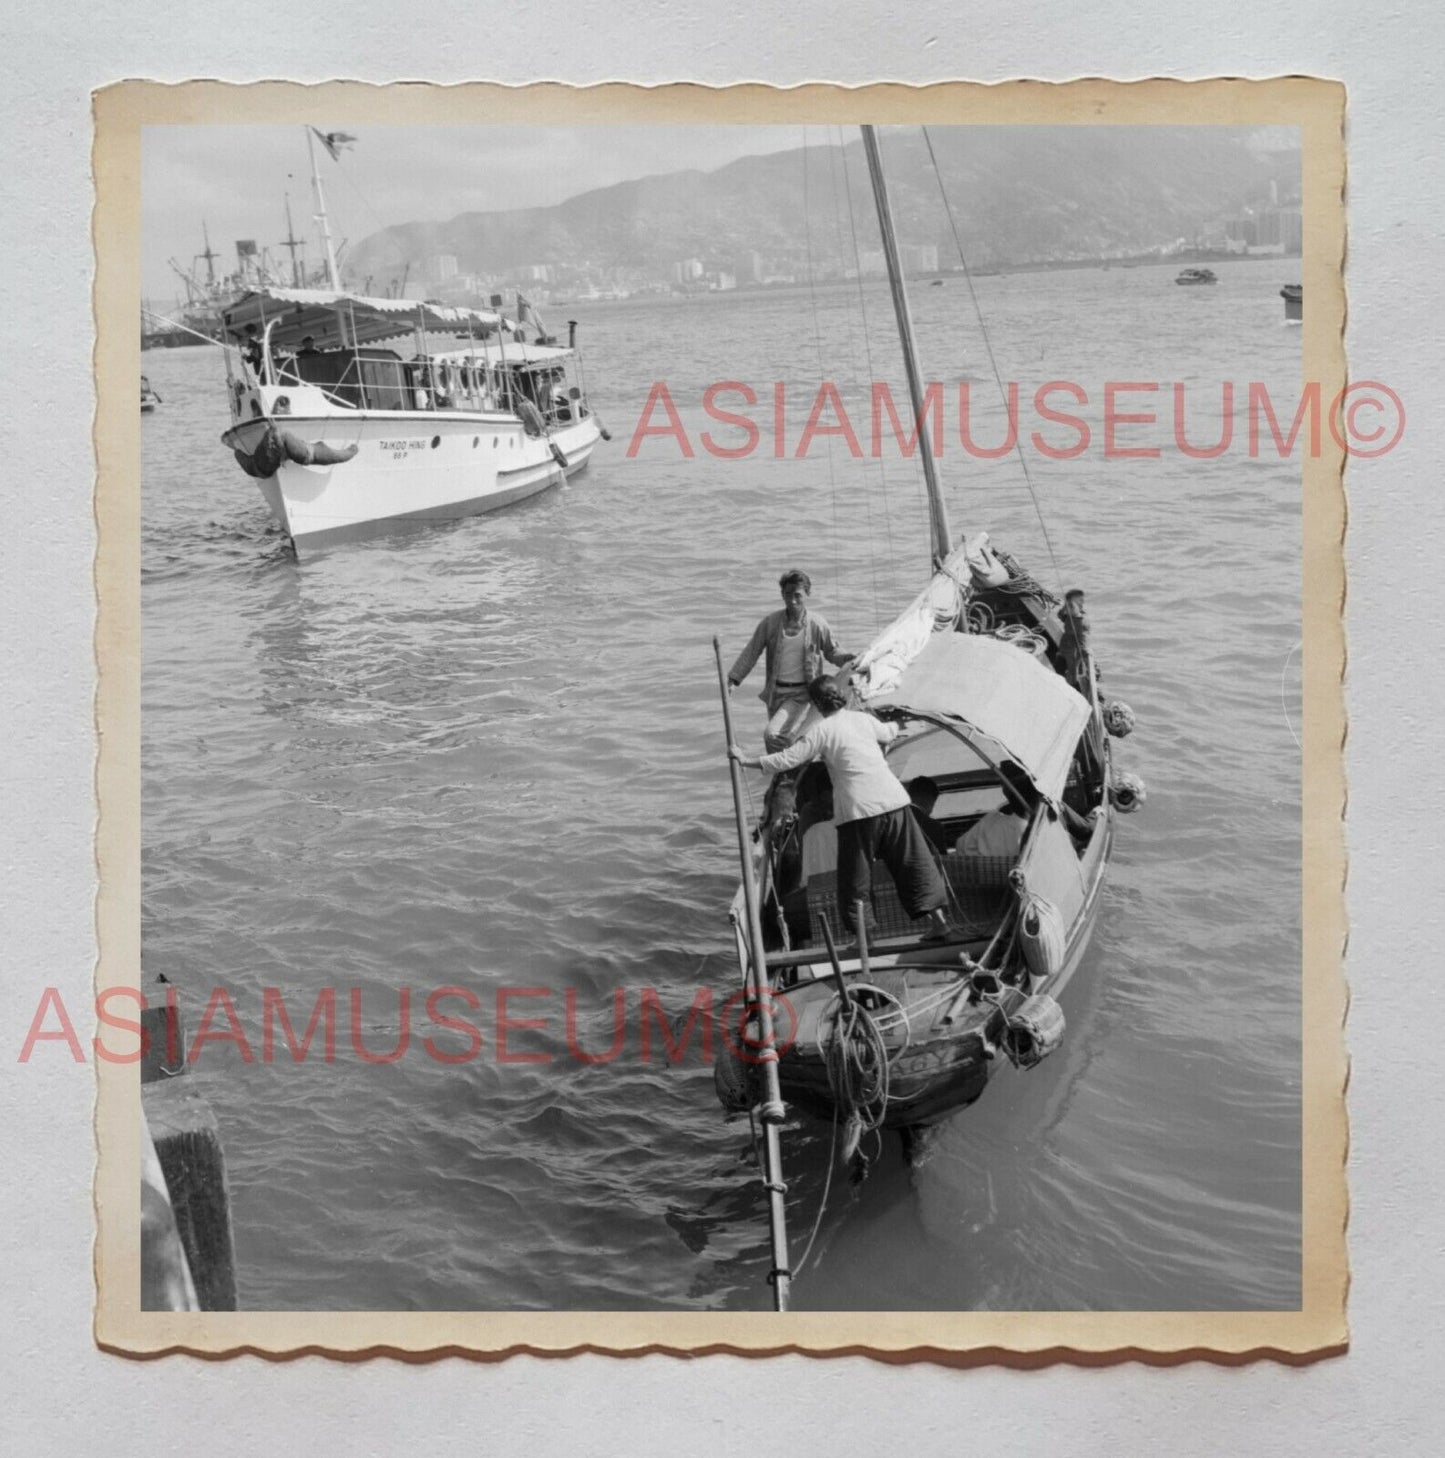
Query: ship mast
[[291, 243], [331, 272], [937, 512], [210, 255]]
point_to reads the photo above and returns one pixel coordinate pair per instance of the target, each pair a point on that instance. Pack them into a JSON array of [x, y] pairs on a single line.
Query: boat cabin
[[1005, 764], [307, 352]]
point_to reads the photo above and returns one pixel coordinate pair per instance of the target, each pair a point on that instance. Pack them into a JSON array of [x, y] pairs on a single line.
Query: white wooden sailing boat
[[352, 423], [992, 679]]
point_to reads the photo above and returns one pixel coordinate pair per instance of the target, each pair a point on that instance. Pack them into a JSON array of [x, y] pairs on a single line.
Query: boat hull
[[942, 1068], [928, 1080], [409, 470], [943, 1047]]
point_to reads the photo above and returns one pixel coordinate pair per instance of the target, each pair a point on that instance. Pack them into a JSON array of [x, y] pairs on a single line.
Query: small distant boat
[[148, 397], [1294, 303], [1197, 276]]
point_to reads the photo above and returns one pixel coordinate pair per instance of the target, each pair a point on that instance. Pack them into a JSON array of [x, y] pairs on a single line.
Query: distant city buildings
[[1269, 230], [1271, 226], [918, 257]]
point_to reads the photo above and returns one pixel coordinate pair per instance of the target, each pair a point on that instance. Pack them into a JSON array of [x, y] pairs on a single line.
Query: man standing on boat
[[796, 642], [872, 809], [254, 352]]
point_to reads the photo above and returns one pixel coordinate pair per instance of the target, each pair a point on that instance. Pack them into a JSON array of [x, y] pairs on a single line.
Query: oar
[[757, 994]]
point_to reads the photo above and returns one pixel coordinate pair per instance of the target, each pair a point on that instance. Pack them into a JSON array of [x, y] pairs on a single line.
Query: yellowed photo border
[[1029, 1339]]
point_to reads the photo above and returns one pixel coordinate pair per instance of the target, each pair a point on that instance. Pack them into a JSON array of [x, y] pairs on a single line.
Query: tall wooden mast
[[937, 511]]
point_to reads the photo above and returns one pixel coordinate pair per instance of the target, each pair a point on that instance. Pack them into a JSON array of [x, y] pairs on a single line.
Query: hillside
[[1018, 194]]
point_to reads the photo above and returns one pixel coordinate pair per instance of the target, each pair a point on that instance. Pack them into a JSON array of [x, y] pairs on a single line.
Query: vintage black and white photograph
[[723, 712]]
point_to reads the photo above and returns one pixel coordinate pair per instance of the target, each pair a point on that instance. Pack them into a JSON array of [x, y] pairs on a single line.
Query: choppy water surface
[[489, 756]]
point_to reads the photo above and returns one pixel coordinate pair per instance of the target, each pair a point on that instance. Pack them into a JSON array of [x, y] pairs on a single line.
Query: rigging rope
[[868, 356], [382, 225], [186, 328], [992, 359], [836, 536], [851, 354], [823, 1203]]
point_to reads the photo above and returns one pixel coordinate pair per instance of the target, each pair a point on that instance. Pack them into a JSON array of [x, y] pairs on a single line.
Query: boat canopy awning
[[1001, 692], [509, 352], [297, 313]]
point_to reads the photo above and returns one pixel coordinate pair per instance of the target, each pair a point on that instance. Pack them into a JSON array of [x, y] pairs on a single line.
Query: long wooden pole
[[758, 1001], [937, 512]]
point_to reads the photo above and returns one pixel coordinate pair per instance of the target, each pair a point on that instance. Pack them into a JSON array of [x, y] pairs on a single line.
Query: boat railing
[[381, 380], [565, 408], [376, 379]]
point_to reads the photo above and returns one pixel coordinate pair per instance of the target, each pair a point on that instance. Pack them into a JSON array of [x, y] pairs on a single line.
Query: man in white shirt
[[871, 808], [999, 833]]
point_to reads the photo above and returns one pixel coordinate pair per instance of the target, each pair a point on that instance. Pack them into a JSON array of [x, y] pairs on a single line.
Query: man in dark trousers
[[254, 352], [871, 808]]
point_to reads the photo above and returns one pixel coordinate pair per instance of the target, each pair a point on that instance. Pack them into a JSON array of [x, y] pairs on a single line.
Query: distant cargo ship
[[163, 336], [209, 295]]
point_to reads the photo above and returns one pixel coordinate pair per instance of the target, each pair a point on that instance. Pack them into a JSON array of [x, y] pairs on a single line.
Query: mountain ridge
[[1015, 195]]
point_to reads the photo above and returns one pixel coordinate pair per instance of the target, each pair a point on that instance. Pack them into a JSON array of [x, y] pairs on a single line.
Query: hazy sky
[[235, 179]]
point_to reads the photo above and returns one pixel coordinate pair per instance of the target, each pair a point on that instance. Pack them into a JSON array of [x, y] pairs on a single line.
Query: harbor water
[[483, 764]]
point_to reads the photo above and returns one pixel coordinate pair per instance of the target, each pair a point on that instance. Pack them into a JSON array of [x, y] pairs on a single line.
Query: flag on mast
[[335, 142]]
